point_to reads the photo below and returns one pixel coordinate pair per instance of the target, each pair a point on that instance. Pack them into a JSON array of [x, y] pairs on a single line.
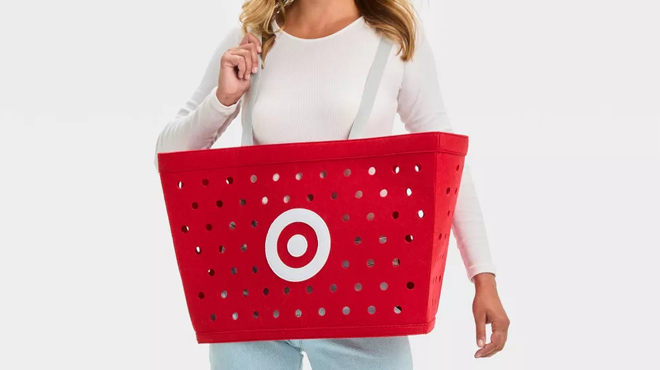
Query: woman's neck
[[318, 18]]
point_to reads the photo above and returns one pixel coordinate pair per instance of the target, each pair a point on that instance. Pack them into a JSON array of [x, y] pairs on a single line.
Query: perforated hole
[[243, 247], [418, 167], [358, 194], [323, 174], [358, 240], [409, 238], [382, 239], [223, 294], [358, 287], [298, 313], [209, 227], [440, 236], [333, 288], [410, 285], [234, 316], [211, 272], [253, 179], [370, 216], [383, 286], [255, 269], [266, 291], [371, 310], [396, 262], [230, 180], [242, 202], [455, 190], [397, 309], [198, 249], [347, 172], [345, 217], [232, 225], [254, 223], [334, 195], [310, 197], [255, 314], [287, 290], [448, 190], [222, 249], [345, 264], [276, 176], [321, 311], [299, 176], [396, 169], [457, 167], [448, 213], [201, 295], [408, 192], [212, 317], [287, 199], [245, 292], [383, 193], [276, 314], [395, 215], [264, 200], [346, 310], [370, 263], [309, 289], [205, 182], [420, 213], [180, 184], [234, 271], [218, 203], [195, 205], [185, 228]]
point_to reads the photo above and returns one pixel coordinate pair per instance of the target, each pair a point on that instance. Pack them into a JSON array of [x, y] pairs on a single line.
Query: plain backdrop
[[559, 98]]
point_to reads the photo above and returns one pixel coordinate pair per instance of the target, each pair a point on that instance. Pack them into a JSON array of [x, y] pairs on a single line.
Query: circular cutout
[[180, 184], [347, 172], [212, 317], [234, 271], [321, 311], [323, 174], [409, 238], [395, 215], [370, 216], [234, 316], [358, 287], [253, 178], [254, 223], [383, 193], [309, 289], [346, 310], [209, 227], [223, 294], [201, 295], [299, 176], [211, 272], [383, 286], [255, 315], [287, 199], [232, 225], [448, 190], [345, 217], [310, 197], [266, 291], [370, 263], [198, 249], [205, 182], [218, 203], [418, 167], [358, 240], [230, 180], [333, 288], [408, 192], [276, 176], [396, 169], [396, 262], [185, 228], [323, 247], [372, 170], [371, 310], [358, 194], [410, 285], [195, 205], [264, 200], [397, 309], [420, 213], [245, 292], [242, 202], [345, 264], [382, 239], [276, 314], [298, 313], [334, 195], [222, 249]]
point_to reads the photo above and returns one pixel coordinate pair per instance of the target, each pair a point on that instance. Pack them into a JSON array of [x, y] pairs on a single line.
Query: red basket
[[331, 239]]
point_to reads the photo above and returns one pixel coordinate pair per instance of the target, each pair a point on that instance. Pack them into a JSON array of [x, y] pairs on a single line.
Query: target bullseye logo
[[297, 245]]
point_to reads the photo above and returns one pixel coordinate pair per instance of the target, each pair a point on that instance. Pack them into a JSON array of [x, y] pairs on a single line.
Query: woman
[[316, 55]]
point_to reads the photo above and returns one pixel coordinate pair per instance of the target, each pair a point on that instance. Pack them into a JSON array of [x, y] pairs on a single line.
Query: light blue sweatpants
[[384, 353]]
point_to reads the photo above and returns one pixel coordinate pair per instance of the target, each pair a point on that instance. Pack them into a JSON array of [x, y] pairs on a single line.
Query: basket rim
[[281, 153]]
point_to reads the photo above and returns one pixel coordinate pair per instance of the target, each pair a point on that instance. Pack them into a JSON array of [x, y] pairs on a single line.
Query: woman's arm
[[203, 118], [421, 109]]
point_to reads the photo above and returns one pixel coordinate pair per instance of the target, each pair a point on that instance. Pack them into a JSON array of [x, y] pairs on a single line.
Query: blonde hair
[[395, 19]]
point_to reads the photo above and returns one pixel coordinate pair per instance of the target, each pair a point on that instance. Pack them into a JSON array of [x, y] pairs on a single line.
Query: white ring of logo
[[322, 251]]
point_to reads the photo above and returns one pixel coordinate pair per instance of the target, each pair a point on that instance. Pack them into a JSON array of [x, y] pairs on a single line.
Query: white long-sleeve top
[[310, 90]]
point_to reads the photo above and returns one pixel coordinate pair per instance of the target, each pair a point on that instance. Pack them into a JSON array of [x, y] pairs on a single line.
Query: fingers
[[252, 48], [242, 59], [251, 42], [498, 338], [480, 323]]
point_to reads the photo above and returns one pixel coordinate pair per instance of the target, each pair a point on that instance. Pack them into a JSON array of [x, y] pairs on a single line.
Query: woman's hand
[[488, 309], [236, 66]]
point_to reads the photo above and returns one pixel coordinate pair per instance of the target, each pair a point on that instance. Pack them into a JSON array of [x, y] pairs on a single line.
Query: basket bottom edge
[[315, 333]]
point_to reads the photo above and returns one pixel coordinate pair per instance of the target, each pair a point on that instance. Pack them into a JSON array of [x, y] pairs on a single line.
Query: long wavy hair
[[395, 19]]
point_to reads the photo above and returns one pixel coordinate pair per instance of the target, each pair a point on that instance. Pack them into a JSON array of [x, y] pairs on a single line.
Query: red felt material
[[206, 190]]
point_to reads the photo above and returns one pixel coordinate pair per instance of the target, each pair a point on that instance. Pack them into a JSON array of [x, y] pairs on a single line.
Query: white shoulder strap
[[366, 104]]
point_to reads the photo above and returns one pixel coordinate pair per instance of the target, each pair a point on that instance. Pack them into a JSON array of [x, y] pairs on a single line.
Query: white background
[[559, 98]]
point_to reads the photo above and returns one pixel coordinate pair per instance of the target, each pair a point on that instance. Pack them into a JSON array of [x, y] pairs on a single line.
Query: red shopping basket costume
[[330, 239]]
